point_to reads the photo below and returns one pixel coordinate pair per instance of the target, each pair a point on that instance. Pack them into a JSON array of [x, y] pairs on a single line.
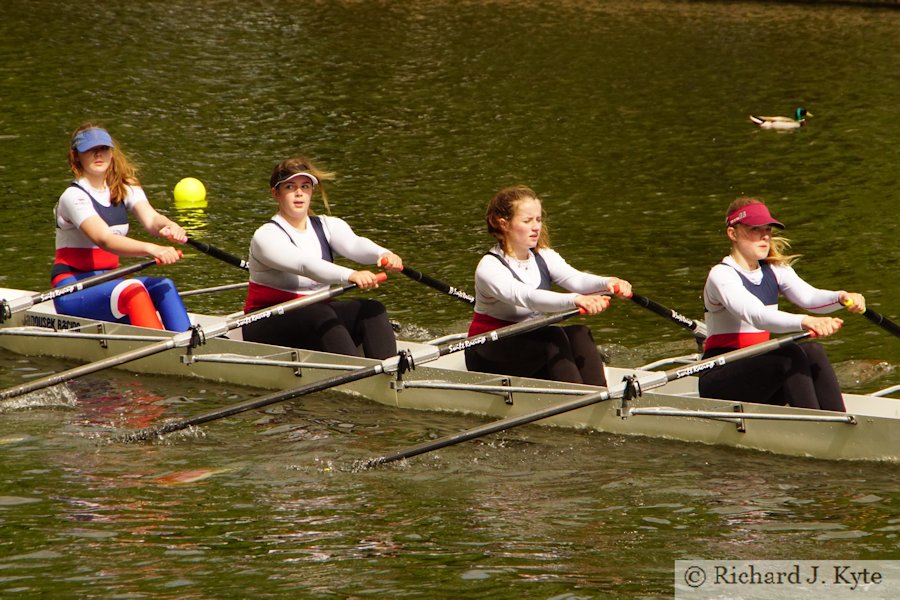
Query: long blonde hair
[[778, 246], [502, 207], [301, 164], [121, 173]]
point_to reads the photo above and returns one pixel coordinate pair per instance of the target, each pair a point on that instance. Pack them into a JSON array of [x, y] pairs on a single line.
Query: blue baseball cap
[[91, 138]]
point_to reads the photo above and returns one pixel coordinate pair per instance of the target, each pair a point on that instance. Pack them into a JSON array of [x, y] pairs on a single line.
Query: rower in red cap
[[741, 302]]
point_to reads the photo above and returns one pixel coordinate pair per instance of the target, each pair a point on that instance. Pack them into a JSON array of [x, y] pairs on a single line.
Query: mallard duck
[[799, 120]]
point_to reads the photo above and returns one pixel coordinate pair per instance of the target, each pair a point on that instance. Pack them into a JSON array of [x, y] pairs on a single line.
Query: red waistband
[[262, 296], [733, 341], [483, 323], [87, 259]]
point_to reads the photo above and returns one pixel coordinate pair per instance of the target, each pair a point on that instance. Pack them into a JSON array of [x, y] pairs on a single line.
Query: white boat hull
[[873, 435]]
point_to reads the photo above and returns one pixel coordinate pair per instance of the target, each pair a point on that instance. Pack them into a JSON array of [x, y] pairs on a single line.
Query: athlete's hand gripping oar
[[636, 384], [231, 259], [403, 360], [877, 318], [8, 307], [192, 337]]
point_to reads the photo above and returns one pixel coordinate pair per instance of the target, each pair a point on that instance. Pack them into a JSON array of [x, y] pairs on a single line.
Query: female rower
[[91, 235], [292, 255], [741, 300], [512, 283]]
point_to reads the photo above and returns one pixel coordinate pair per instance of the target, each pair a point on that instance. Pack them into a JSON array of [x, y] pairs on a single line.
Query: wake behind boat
[[870, 430]]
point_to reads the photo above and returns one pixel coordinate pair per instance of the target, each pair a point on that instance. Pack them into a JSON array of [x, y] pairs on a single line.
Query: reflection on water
[[538, 506], [194, 220], [629, 118]]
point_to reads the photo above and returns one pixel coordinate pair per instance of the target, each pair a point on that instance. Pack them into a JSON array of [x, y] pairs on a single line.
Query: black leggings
[[357, 327], [556, 353], [797, 374]]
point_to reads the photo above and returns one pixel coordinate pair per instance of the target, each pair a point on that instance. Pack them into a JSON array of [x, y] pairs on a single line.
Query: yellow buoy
[[190, 193]]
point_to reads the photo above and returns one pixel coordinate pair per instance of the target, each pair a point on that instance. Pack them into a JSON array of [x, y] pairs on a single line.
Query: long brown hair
[[301, 164], [121, 173], [502, 208], [778, 246]]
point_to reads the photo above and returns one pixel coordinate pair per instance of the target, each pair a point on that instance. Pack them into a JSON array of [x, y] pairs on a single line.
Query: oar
[[8, 307], [878, 319], [231, 259], [698, 327], [217, 288], [882, 321], [192, 337], [439, 285], [403, 360], [652, 380]]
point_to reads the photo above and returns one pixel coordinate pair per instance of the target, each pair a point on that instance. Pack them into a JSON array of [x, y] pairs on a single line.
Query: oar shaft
[[882, 322], [25, 302], [698, 327], [253, 404], [178, 340], [218, 288], [488, 429], [505, 332], [730, 357], [439, 285], [285, 307], [386, 366], [76, 372], [877, 319], [220, 254], [653, 380]]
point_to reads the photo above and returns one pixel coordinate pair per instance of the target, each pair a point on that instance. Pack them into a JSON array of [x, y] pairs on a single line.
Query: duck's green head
[[801, 113]]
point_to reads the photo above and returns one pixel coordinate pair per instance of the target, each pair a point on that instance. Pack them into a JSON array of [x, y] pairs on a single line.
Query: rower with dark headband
[[292, 255]]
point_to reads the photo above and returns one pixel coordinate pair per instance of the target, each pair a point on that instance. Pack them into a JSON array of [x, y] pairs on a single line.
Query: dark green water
[[628, 118]]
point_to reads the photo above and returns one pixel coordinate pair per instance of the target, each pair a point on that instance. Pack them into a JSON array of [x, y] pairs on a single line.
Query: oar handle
[[877, 319], [220, 254]]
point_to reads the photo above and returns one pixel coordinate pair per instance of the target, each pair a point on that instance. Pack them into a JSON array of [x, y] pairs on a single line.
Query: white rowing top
[[500, 295], [293, 262]]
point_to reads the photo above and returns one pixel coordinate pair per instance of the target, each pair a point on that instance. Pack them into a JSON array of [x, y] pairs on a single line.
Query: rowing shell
[[869, 431]]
